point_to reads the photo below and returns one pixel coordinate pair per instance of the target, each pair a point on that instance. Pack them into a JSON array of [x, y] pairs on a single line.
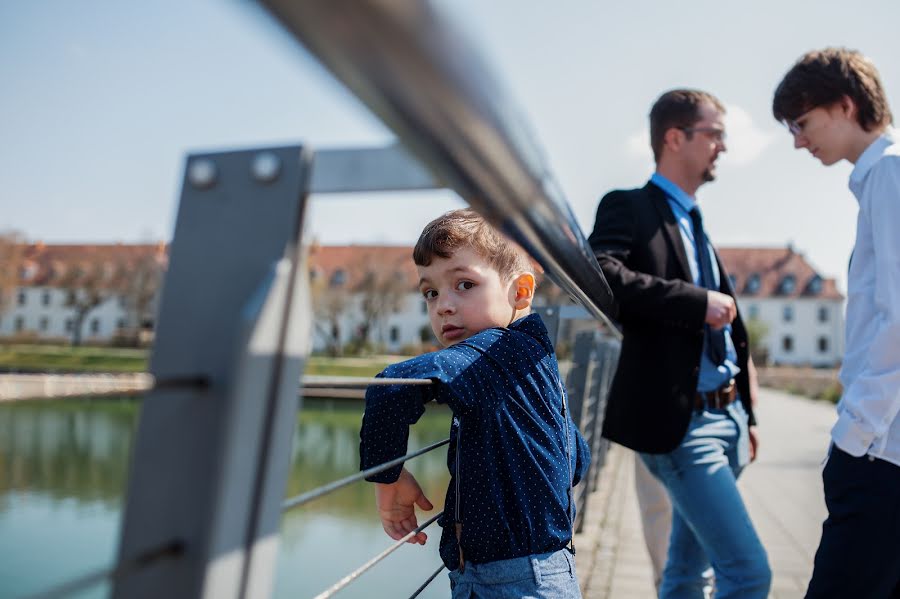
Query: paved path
[[783, 492]]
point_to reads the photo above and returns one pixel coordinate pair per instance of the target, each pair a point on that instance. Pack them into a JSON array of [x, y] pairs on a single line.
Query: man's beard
[[709, 175]]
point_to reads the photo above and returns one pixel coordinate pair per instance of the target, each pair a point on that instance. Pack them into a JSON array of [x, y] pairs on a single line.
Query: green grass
[[55, 358], [346, 366], [59, 358]]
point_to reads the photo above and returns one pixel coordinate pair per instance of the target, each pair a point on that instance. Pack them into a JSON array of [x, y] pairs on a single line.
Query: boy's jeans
[[710, 524], [541, 576]]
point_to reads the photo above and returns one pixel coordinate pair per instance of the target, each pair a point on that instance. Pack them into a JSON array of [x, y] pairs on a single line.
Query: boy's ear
[[848, 107], [524, 290]]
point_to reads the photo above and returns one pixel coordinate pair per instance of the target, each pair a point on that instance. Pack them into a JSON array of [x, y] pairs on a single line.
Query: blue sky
[[102, 100]]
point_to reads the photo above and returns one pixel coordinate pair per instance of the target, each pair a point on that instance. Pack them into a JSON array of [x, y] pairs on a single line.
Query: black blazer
[[638, 245]]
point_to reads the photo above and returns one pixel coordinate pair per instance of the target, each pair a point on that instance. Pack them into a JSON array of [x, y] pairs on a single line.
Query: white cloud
[[638, 145], [746, 141]]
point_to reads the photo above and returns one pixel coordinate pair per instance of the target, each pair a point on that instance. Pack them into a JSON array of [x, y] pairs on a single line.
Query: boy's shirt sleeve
[[392, 409], [582, 456]]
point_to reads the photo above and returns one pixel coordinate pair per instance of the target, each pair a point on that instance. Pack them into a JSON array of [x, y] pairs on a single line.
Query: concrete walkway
[[782, 490]]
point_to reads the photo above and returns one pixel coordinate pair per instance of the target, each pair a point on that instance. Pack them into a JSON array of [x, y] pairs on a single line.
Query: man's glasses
[[718, 135]]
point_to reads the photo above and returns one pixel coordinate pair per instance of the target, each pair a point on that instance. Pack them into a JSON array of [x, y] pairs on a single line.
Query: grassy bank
[[57, 358], [65, 359]]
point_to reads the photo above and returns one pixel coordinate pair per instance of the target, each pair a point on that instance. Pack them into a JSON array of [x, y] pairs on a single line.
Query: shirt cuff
[[851, 436], [388, 477]]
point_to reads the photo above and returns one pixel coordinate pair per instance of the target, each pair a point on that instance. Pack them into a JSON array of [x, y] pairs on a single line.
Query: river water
[[63, 471]]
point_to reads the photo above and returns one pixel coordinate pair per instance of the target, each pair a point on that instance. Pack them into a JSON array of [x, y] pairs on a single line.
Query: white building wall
[[804, 329], [408, 322], [44, 314]]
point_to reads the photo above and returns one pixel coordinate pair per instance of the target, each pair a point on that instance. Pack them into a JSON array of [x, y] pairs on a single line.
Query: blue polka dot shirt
[[509, 483]]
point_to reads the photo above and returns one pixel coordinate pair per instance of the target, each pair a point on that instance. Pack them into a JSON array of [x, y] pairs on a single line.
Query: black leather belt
[[716, 400]]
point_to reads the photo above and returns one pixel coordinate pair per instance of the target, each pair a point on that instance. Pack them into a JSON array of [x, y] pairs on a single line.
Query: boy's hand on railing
[[396, 507]]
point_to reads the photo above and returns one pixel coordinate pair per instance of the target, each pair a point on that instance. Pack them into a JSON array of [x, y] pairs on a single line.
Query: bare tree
[[329, 301], [87, 285], [12, 250], [381, 289], [139, 288]]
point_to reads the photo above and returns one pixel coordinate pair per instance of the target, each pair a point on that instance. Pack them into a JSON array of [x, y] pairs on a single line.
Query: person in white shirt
[[833, 103]]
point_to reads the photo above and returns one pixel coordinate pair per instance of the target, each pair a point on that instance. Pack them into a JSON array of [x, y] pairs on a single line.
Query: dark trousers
[[859, 554]]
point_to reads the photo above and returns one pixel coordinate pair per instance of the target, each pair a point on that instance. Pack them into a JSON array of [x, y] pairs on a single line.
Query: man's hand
[[754, 443], [720, 309], [396, 507]]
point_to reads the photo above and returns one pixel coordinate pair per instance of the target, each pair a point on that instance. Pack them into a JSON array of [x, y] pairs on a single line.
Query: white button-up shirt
[[868, 421]]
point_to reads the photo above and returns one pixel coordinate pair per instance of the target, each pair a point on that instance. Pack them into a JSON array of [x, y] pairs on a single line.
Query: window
[[823, 345], [788, 313], [44, 323], [95, 326], [120, 324], [45, 298], [788, 285], [123, 301], [338, 278], [823, 314], [20, 324], [22, 298], [753, 311], [395, 334], [815, 285], [752, 284], [70, 325], [787, 343]]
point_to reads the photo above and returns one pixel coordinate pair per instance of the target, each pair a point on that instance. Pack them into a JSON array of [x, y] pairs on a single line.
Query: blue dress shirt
[[509, 483], [712, 376]]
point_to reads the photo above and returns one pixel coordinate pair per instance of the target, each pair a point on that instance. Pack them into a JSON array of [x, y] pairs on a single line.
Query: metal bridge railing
[[210, 460]]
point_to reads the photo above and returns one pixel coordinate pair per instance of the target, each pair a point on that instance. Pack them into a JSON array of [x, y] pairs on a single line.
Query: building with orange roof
[[801, 310], [90, 292]]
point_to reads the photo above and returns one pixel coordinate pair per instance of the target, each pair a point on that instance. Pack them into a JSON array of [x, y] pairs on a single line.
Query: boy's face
[[825, 131], [465, 295]]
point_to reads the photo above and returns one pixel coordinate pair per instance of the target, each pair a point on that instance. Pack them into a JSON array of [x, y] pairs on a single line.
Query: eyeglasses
[[718, 135], [794, 125]]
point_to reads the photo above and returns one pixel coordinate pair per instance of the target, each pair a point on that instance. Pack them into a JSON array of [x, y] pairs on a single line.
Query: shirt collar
[[869, 157], [675, 193]]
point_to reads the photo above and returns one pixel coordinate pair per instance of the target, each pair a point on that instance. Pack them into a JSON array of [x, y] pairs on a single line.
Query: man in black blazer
[[682, 395]]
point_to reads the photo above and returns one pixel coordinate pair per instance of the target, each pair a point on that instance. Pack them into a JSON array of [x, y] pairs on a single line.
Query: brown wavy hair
[[823, 77], [466, 228]]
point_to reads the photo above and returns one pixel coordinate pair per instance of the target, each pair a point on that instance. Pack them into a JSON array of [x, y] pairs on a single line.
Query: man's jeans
[[710, 525]]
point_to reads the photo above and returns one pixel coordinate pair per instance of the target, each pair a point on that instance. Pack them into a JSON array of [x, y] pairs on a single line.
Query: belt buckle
[[724, 395]]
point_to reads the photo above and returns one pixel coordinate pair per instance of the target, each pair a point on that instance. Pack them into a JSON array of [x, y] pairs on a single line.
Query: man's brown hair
[[823, 77], [466, 228], [678, 108]]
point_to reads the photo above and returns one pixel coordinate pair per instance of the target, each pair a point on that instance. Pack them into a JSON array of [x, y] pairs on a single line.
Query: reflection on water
[[63, 468]]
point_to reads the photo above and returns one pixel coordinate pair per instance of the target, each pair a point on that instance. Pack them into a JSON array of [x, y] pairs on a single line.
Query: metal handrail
[[428, 580], [352, 382], [169, 550], [362, 569], [334, 486], [421, 76]]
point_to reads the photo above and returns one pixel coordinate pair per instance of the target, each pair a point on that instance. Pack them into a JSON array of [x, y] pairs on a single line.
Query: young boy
[[515, 452], [833, 103]]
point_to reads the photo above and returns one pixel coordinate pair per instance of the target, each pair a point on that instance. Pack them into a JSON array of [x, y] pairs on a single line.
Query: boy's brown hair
[[466, 228], [679, 109], [823, 77]]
